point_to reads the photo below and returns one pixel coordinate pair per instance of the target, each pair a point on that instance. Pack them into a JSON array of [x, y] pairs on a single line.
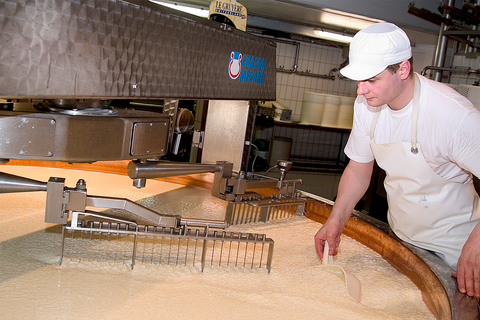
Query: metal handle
[[160, 169]]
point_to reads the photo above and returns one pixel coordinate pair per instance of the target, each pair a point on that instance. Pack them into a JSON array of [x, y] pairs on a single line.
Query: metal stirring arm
[[157, 219], [61, 201]]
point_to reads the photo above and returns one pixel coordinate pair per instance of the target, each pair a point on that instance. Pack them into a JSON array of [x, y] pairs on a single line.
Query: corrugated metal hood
[[86, 49]]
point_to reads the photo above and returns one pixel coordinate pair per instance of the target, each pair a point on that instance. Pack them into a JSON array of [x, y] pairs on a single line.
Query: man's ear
[[404, 69]]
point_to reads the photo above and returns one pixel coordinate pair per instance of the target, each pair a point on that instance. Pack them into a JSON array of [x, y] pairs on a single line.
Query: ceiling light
[[345, 20], [332, 36], [191, 10]]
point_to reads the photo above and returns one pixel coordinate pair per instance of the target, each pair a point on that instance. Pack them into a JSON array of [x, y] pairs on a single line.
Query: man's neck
[[405, 95]]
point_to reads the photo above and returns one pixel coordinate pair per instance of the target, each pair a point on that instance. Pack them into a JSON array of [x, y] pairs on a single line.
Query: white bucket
[[312, 108], [345, 113], [330, 111]]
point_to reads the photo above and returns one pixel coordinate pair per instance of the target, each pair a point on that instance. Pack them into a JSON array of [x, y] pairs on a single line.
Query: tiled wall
[[311, 145], [318, 59]]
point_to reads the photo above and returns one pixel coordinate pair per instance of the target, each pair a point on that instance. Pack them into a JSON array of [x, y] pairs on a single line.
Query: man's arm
[[466, 152], [353, 185]]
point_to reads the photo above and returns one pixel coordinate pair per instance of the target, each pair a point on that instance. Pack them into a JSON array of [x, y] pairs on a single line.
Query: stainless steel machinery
[[69, 59]]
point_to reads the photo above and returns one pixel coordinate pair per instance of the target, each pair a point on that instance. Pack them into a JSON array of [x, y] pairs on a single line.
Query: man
[[427, 138]]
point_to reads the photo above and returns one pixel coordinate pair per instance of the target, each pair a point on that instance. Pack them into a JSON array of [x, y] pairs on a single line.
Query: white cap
[[375, 48]]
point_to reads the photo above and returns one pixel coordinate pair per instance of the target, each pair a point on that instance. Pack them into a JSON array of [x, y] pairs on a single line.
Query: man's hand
[[353, 184], [468, 267], [330, 232]]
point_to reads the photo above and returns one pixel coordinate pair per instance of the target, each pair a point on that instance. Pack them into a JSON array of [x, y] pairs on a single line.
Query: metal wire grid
[[119, 243], [248, 210]]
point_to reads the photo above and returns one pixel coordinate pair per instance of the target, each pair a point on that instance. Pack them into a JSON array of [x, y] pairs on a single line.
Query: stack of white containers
[[327, 110]]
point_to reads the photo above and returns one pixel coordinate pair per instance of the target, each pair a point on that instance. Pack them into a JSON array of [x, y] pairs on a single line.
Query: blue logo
[[246, 68], [235, 65]]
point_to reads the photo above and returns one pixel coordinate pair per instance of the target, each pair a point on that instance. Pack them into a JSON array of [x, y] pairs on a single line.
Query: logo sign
[[246, 68], [235, 65], [231, 9]]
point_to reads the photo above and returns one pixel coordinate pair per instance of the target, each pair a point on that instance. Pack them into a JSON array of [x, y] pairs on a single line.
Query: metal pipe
[[294, 69], [158, 169], [11, 183], [465, 70], [474, 40], [295, 59], [442, 45], [307, 73]]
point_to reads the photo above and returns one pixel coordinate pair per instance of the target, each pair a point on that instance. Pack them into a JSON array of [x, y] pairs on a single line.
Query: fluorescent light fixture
[[191, 10], [345, 20], [332, 36]]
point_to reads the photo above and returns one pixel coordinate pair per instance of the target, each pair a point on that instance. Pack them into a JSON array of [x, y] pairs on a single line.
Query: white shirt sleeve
[[465, 143]]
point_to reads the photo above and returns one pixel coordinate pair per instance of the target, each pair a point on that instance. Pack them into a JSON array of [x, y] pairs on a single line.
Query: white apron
[[424, 209]]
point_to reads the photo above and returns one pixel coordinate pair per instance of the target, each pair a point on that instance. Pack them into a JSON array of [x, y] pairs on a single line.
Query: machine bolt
[[139, 183], [81, 185]]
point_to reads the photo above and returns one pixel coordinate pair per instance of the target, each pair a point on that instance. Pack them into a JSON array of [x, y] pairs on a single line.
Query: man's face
[[384, 88]]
